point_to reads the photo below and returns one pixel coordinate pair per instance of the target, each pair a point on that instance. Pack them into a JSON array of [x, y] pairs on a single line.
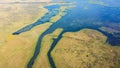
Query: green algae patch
[[42, 59], [85, 49], [62, 12], [98, 2], [109, 30], [59, 15]]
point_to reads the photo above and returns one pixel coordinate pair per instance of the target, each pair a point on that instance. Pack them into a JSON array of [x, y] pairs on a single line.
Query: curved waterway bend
[[76, 19], [52, 11]]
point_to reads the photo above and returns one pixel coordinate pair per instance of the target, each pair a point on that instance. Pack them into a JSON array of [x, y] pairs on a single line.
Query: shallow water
[[84, 15]]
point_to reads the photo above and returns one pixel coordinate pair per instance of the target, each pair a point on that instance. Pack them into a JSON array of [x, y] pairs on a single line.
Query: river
[[84, 15]]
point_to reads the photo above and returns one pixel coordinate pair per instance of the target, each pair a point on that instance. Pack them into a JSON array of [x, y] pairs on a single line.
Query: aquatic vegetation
[[42, 58], [74, 22], [48, 31], [57, 31], [98, 2], [17, 50], [43, 19]]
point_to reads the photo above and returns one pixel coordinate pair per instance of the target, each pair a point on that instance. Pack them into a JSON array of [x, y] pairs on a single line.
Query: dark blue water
[[84, 15], [94, 17], [52, 11]]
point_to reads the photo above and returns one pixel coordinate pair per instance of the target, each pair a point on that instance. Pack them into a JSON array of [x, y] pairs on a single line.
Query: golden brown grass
[[16, 50], [85, 49], [26, 1], [42, 60]]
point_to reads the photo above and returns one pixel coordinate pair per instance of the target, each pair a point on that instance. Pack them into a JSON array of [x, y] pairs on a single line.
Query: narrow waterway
[[78, 18], [84, 15], [52, 11]]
